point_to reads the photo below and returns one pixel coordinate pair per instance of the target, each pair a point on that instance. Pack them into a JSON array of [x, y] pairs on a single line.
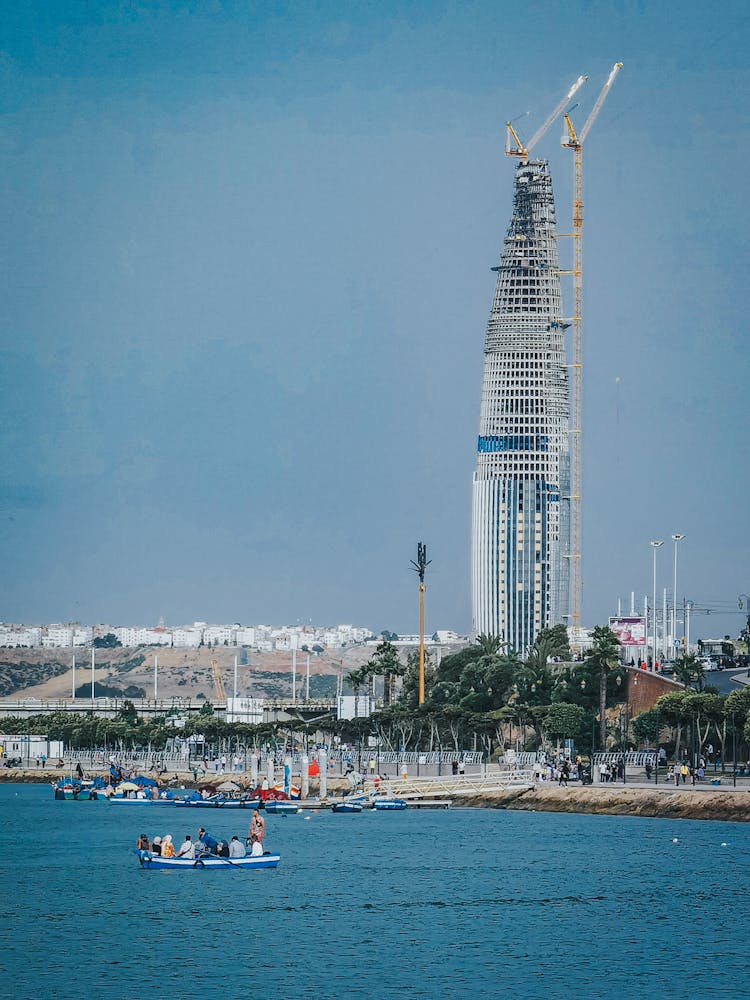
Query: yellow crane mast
[[575, 142]]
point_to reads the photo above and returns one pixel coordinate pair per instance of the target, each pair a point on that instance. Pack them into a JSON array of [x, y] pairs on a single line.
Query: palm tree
[[490, 644], [355, 679], [604, 657]]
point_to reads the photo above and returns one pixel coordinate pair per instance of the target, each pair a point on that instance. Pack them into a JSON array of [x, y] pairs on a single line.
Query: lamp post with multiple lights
[[676, 539], [654, 545]]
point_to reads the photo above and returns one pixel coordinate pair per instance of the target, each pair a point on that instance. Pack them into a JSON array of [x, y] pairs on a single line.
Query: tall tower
[[521, 491]]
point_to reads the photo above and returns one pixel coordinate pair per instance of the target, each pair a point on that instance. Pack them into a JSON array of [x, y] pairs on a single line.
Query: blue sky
[[247, 278]]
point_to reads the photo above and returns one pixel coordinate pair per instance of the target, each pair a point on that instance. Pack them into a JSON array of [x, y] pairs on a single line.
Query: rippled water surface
[[419, 904]]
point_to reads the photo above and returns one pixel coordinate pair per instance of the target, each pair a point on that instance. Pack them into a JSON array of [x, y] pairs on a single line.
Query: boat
[[388, 805], [346, 807], [281, 807], [78, 790], [218, 803], [155, 862], [120, 800]]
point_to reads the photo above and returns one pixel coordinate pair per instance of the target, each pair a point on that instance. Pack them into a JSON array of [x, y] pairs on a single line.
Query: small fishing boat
[[218, 803], [281, 807], [78, 790], [346, 807], [154, 862], [388, 805], [120, 800]]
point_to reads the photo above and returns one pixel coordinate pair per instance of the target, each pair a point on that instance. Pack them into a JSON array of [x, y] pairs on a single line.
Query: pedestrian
[[564, 768], [684, 772], [676, 774], [461, 768], [579, 767], [43, 760], [649, 769]]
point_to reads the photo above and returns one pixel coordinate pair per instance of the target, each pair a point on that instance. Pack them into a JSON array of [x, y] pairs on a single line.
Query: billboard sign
[[629, 631]]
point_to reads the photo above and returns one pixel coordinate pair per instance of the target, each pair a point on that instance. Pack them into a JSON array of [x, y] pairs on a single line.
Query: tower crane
[[513, 144], [575, 142]]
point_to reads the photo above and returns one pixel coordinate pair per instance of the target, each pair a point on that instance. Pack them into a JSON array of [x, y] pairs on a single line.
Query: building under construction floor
[[521, 490]]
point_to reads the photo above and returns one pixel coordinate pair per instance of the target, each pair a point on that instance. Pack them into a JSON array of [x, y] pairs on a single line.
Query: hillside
[[47, 674]]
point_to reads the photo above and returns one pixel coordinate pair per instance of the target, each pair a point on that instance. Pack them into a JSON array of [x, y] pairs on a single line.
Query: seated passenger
[[236, 849], [156, 845], [187, 849], [142, 843], [257, 850], [167, 847]]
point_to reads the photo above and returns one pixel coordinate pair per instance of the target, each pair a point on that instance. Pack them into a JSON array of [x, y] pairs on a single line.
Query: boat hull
[[226, 804], [389, 805], [281, 808], [153, 862], [346, 807]]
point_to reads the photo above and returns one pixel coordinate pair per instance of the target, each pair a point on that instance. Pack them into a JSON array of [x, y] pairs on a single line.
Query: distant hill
[[17, 675]]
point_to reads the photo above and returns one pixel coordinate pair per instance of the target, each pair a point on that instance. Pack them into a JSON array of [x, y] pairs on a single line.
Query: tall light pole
[[675, 539], [654, 546]]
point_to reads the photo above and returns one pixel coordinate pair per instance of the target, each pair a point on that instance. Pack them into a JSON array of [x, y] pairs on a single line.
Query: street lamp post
[[676, 539], [747, 627], [654, 545]]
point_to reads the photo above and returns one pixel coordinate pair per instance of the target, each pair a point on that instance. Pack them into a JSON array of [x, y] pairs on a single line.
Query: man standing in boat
[[257, 829]]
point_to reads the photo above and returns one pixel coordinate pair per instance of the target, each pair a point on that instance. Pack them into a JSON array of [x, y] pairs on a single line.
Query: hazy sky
[[246, 285]]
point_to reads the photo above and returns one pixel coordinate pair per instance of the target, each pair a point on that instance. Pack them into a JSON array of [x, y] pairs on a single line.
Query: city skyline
[[247, 271]]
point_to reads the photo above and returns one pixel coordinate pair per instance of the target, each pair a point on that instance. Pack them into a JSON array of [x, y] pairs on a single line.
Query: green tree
[[647, 726], [555, 640], [563, 721], [108, 641], [673, 710], [690, 671], [604, 658]]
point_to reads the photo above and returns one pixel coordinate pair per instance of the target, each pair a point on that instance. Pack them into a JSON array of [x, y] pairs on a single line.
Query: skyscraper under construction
[[521, 491]]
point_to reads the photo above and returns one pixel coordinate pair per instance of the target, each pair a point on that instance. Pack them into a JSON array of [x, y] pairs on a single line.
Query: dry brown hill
[[187, 673]]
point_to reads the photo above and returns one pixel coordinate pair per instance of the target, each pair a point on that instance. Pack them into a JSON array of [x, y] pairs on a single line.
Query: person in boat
[[257, 829], [187, 848], [257, 849], [236, 849], [207, 843], [167, 847], [156, 845], [142, 843]]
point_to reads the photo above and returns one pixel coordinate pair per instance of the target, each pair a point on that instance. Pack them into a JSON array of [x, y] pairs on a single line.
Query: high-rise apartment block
[[521, 491]]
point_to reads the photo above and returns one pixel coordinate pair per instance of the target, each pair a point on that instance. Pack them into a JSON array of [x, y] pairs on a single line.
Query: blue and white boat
[[280, 807], [154, 862], [388, 805], [218, 802], [346, 807]]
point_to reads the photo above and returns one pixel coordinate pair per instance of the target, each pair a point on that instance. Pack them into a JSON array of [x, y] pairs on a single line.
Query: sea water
[[458, 903]]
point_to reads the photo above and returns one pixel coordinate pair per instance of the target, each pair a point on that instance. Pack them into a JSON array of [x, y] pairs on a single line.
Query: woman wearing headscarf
[[167, 847]]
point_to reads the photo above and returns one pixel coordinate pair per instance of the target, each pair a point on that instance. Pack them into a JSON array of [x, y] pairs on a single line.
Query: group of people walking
[[205, 844]]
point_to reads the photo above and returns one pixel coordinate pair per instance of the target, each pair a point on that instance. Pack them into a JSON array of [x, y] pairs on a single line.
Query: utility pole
[[421, 564]]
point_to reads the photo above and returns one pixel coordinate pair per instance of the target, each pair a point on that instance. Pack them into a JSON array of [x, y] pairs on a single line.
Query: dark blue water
[[417, 904]]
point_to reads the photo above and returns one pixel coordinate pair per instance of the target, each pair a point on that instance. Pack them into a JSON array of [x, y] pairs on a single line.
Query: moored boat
[[215, 803], [281, 807], [154, 862], [346, 807], [388, 805]]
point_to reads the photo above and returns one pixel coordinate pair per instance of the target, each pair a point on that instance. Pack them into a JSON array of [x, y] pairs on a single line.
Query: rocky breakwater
[[666, 803]]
